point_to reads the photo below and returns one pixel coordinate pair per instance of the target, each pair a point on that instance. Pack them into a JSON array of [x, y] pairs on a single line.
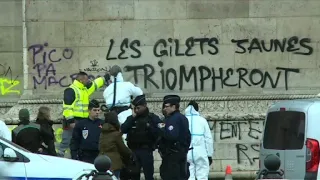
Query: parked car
[[18, 163], [292, 133]]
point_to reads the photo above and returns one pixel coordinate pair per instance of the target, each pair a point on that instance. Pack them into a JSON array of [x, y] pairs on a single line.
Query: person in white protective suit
[[200, 157], [118, 95], [5, 131]]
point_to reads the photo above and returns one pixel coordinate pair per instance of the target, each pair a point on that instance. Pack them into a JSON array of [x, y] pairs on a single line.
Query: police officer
[[75, 104], [84, 144], [175, 142], [29, 135], [142, 132]]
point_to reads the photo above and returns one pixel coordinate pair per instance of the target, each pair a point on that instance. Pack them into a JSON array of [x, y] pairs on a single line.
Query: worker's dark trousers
[[88, 156], [174, 166], [145, 160]]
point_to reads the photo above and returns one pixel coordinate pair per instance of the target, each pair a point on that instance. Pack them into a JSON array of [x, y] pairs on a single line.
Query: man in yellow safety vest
[[75, 104]]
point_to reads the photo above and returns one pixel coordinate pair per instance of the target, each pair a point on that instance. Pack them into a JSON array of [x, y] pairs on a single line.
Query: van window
[[284, 130]]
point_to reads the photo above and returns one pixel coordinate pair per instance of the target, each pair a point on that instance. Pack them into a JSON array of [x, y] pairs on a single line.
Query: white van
[[18, 163], [292, 132]]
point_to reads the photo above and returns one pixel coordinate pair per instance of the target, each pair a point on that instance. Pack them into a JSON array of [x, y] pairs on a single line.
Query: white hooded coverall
[[5, 131], [122, 117], [202, 143], [124, 91]]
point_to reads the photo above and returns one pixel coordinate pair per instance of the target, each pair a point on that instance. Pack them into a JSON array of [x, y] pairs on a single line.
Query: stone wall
[[234, 56], [11, 64]]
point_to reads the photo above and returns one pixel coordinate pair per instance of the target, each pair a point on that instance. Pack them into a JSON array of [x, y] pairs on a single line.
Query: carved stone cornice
[[213, 108], [187, 98]]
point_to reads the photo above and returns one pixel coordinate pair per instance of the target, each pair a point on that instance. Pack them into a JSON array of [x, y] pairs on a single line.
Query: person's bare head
[[83, 78], [44, 113], [115, 70]]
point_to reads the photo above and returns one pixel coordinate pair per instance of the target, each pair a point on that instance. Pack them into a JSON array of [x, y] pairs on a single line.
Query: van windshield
[[284, 130]]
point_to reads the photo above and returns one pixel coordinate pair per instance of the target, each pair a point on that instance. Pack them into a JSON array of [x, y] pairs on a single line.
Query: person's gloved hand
[[107, 77], [210, 160]]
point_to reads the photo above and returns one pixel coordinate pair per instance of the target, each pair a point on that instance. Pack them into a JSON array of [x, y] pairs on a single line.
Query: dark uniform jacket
[[111, 144], [85, 136], [142, 130], [176, 134], [48, 143], [30, 136]]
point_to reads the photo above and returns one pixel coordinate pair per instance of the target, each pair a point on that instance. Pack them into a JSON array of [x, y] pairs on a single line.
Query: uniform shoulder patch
[[170, 127], [85, 133]]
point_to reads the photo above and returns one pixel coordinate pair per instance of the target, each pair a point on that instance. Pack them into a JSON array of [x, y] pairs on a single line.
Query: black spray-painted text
[[203, 75], [172, 47]]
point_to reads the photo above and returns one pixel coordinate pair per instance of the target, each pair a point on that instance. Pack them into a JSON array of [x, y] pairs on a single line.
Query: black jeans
[[174, 166], [145, 159]]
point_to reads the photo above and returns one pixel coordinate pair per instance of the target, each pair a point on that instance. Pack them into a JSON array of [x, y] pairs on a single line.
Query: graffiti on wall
[[44, 65], [44, 61], [217, 77], [8, 83], [243, 132], [94, 67], [200, 75], [171, 47], [295, 45]]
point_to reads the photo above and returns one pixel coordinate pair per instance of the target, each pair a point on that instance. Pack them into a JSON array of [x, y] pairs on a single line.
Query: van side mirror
[[10, 155]]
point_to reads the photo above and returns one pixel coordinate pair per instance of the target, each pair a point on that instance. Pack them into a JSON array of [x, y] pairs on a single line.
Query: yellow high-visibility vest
[[79, 108]]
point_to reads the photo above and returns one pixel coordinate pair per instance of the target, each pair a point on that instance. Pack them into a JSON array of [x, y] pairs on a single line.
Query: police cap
[[171, 99], [139, 100]]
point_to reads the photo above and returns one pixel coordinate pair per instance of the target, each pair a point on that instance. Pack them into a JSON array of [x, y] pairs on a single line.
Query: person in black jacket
[[142, 133], [29, 135], [84, 144], [175, 141], [43, 119]]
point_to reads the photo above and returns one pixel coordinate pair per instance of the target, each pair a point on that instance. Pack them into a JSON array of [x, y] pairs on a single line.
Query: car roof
[[297, 103], [303, 100]]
